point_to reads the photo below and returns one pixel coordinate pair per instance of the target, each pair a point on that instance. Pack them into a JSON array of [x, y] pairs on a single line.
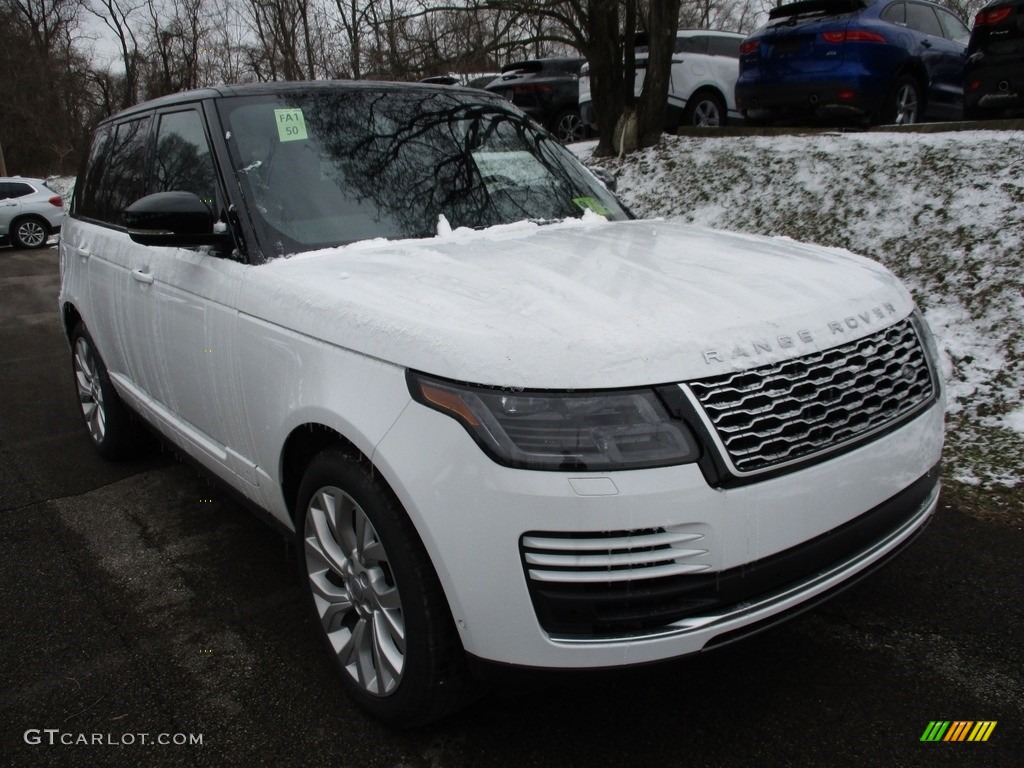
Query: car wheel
[[30, 233], [905, 102], [376, 598], [111, 426], [568, 127], [705, 109]]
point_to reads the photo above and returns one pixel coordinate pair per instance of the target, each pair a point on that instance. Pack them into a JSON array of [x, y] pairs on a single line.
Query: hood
[[578, 305]]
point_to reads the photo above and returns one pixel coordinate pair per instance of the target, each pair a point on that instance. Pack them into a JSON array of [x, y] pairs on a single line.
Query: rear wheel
[[568, 127], [30, 232], [705, 109], [111, 427], [377, 600], [906, 103]]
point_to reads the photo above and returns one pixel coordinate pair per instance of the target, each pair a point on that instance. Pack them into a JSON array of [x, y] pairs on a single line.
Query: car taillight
[[852, 36], [974, 85], [56, 200], [749, 46], [987, 18]]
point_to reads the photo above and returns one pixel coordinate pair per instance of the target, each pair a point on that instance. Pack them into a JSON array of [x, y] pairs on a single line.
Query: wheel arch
[[70, 317]]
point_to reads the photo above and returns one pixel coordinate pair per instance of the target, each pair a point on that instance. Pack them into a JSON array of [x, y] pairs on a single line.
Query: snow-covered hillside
[[944, 211]]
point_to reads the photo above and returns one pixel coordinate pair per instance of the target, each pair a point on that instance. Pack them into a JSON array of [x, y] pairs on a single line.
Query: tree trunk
[[662, 23]]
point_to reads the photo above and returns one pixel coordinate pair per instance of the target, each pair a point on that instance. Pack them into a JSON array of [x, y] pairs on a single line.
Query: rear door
[[943, 60]]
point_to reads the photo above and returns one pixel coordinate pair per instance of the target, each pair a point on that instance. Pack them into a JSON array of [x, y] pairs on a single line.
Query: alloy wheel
[[90, 391], [354, 591], [31, 233]]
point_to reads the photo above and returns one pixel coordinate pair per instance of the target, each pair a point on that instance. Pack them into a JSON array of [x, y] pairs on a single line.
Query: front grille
[[794, 409]]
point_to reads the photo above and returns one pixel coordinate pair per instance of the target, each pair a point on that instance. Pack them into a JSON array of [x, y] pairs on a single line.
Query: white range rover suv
[[504, 422]]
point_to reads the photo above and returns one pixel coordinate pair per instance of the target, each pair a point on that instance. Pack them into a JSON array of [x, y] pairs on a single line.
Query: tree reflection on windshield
[[327, 166]]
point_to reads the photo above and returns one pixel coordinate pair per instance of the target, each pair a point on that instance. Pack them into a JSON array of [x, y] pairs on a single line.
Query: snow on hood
[[585, 304]]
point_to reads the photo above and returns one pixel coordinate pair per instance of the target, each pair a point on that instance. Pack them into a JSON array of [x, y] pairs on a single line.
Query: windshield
[[334, 166]]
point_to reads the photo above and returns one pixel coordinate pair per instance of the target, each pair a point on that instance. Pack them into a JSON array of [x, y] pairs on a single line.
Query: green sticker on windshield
[[291, 125], [591, 204]]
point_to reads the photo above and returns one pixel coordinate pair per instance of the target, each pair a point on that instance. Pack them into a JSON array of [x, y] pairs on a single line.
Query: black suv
[[548, 91], [994, 74]]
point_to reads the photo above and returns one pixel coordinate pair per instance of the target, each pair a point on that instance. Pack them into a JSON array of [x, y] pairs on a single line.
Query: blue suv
[[877, 61]]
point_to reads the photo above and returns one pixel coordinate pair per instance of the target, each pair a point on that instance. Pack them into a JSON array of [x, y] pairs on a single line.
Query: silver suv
[[29, 212], [705, 66]]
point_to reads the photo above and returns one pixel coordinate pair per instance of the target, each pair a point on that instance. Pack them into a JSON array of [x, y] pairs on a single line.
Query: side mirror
[[607, 178], [172, 219]]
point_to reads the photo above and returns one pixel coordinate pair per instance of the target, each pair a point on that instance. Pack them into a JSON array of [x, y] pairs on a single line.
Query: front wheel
[[705, 110], [905, 105], [376, 598], [30, 233]]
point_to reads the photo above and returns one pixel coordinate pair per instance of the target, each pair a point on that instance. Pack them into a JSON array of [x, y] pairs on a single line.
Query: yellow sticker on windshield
[[291, 125], [591, 204]]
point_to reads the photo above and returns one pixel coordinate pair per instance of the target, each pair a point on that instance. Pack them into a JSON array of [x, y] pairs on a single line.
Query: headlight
[[567, 431]]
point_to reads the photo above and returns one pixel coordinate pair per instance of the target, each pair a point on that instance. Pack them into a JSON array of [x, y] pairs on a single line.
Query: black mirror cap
[[172, 219]]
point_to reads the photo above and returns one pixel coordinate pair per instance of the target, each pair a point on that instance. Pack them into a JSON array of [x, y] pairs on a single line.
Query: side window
[[952, 27], [117, 174], [86, 199], [922, 18], [725, 46], [895, 14], [183, 162], [4, 192], [17, 189], [695, 44]]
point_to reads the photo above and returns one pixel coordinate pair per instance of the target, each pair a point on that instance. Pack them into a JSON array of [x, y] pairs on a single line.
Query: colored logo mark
[[958, 730]]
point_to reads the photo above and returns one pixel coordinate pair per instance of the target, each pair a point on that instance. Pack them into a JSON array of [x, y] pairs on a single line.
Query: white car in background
[[701, 92], [29, 212]]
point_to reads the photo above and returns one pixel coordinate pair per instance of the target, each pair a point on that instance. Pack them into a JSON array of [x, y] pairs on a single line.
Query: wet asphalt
[[140, 605]]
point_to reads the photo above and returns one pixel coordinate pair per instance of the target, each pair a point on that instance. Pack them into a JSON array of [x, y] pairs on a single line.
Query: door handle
[[84, 252], [926, 44], [142, 276]]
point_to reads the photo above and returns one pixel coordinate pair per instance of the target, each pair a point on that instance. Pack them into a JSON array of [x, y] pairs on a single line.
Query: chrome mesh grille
[[793, 409]]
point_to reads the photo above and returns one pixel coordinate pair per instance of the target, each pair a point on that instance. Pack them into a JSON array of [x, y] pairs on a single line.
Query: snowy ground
[[943, 211]]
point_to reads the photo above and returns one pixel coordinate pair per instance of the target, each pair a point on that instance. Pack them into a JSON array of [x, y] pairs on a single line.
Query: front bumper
[[772, 547]]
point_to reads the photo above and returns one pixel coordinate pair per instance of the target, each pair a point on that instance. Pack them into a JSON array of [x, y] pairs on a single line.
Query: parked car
[[994, 75], [30, 212], [879, 61], [548, 91], [503, 422], [705, 65]]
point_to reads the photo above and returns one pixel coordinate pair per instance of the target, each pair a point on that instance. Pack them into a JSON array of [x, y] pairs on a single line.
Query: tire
[[568, 126], [905, 105], [378, 603], [705, 109], [30, 232], [111, 427]]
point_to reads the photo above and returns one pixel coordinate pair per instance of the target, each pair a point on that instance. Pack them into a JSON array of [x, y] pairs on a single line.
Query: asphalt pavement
[[148, 620]]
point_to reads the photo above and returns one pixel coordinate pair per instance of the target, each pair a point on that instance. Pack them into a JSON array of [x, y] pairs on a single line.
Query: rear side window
[[922, 18], [14, 189], [183, 162], [724, 46], [695, 44], [895, 14], [116, 176]]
